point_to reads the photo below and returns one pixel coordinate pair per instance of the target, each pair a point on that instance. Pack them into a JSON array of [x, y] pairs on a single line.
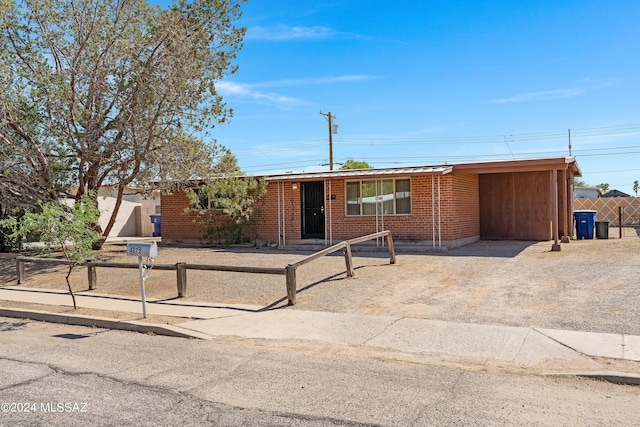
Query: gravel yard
[[591, 285]]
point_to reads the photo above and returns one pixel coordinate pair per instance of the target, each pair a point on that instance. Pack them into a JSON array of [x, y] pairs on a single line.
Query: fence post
[[181, 273], [620, 220], [392, 252], [92, 276], [348, 259], [291, 284], [20, 270]]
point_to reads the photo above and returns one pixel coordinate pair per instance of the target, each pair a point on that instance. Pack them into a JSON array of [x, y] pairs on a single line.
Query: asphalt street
[[54, 374]]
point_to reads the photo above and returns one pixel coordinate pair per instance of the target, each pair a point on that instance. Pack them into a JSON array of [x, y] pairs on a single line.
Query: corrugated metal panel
[[438, 170]]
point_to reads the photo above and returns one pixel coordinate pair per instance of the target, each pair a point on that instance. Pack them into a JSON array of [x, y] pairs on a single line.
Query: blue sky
[[432, 82]]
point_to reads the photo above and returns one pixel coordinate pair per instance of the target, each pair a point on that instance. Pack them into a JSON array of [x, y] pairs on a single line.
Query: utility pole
[[329, 118]]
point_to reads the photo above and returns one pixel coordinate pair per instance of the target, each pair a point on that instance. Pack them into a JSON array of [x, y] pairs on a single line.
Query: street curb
[[180, 332], [104, 322], [612, 377]]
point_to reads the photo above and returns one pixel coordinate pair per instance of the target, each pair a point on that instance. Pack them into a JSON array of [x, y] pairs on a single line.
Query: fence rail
[[181, 268]]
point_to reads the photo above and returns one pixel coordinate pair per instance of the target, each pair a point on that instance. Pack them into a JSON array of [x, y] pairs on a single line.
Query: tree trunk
[[73, 297], [112, 219]]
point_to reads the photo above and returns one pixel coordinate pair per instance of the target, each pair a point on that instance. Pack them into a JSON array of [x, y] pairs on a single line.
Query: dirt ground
[[591, 285]]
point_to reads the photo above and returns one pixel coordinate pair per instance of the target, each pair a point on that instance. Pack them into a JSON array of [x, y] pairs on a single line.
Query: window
[[203, 200], [379, 197]]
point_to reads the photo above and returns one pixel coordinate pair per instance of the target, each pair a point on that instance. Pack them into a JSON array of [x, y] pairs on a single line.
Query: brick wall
[[460, 207], [175, 224], [289, 213], [459, 212]]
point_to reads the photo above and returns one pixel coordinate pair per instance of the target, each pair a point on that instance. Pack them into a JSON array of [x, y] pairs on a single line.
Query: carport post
[[554, 210]]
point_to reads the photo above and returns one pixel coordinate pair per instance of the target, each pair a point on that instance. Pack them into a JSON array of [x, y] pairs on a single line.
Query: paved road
[[134, 379]]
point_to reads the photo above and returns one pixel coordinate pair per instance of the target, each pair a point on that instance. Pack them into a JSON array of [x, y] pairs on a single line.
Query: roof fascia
[[528, 165]]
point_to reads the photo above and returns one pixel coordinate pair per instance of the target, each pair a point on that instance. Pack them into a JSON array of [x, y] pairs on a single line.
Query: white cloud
[[254, 91], [248, 91], [316, 80], [585, 80], [544, 95], [587, 84], [227, 88], [285, 32]]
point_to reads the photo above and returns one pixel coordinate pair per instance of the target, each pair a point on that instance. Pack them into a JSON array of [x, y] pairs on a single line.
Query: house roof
[[499, 166], [615, 193], [348, 173]]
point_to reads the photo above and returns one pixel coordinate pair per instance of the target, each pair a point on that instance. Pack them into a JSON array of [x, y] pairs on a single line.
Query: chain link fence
[[612, 209]]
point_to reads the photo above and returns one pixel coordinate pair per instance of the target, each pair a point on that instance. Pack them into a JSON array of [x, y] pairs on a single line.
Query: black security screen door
[[312, 210]]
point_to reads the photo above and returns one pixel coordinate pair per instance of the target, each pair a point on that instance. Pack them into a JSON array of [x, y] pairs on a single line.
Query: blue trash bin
[[155, 220], [585, 224]]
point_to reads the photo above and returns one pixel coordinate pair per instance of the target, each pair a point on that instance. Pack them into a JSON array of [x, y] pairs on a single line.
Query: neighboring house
[[587, 192], [429, 206], [133, 217], [615, 193]]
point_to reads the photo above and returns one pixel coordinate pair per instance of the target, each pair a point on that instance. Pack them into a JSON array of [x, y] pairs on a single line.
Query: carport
[[525, 199]]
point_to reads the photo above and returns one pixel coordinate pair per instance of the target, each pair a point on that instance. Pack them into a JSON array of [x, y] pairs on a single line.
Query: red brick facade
[[281, 206], [449, 204], [175, 223]]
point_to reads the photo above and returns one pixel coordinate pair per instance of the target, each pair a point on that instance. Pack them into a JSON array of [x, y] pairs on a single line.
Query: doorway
[[312, 195]]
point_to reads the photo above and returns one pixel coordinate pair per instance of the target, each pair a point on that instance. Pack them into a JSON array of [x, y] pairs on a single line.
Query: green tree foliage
[[227, 204], [579, 182], [636, 186], [604, 187], [103, 92], [354, 164], [8, 242], [70, 229]]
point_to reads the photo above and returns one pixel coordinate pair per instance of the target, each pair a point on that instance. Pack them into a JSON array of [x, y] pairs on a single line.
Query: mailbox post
[[142, 249]]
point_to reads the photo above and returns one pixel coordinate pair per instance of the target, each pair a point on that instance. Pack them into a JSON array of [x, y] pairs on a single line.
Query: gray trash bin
[[602, 229]]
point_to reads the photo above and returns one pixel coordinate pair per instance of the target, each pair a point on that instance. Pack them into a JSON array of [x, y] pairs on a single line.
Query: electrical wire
[[497, 140]]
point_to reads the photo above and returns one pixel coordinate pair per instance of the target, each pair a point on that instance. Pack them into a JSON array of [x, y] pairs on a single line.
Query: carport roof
[[522, 165], [353, 173]]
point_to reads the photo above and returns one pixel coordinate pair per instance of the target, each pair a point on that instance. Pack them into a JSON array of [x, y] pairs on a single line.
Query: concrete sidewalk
[[543, 350]]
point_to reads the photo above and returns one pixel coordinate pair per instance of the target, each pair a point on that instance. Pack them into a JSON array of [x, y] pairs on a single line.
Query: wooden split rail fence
[[181, 268]]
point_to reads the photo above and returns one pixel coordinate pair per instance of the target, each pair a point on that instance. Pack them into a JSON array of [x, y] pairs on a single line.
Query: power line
[[593, 152], [577, 134]]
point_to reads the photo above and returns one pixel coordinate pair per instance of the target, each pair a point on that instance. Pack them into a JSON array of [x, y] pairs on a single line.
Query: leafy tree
[[96, 92], [8, 242], [636, 186], [226, 204], [60, 226], [579, 182], [604, 187], [354, 164]]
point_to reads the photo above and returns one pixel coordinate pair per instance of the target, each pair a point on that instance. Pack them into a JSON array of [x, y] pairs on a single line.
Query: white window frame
[[361, 181]]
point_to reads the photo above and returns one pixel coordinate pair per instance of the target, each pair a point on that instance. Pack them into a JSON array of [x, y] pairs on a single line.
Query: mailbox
[[142, 249]]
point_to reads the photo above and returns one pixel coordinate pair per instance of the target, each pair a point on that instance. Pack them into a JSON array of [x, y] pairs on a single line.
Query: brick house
[[429, 206]]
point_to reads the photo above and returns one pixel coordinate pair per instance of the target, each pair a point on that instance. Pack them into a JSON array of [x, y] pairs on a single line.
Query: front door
[[312, 195]]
